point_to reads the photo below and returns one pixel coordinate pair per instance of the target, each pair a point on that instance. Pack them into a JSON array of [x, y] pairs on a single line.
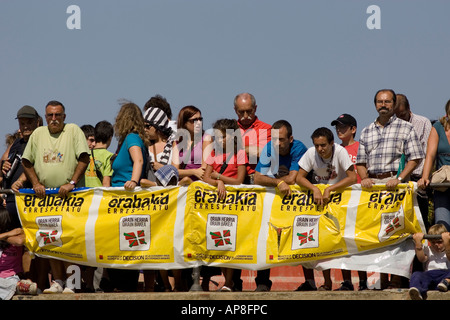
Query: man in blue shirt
[[278, 163], [278, 167]]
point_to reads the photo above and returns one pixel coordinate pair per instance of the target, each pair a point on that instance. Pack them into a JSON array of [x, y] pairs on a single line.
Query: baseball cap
[[27, 112], [345, 119]]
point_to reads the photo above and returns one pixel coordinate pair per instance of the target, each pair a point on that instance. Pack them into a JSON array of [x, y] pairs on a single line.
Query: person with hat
[[160, 149], [346, 131], [12, 169], [346, 126], [160, 172]]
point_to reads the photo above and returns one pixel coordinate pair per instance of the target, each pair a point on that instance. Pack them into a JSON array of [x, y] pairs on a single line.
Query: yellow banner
[[224, 231], [178, 227], [50, 224], [384, 216], [136, 228], [300, 230]]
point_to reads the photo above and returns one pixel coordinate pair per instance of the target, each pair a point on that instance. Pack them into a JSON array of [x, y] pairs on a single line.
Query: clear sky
[[304, 61]]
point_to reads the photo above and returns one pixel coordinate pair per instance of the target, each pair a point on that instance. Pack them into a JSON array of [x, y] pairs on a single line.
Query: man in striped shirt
[[382, 144]]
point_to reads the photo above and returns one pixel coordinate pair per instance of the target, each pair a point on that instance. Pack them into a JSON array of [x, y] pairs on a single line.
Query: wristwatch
[[72, 182], [399, 178]]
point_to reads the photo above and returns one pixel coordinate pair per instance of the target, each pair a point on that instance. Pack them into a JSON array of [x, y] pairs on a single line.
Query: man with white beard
[[56, 156]]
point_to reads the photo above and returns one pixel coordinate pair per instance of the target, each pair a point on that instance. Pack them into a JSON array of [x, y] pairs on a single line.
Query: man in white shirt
[[329, 164]]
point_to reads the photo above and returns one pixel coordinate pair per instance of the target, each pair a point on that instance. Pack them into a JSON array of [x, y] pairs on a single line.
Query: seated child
[[11, 252], [436, 263]]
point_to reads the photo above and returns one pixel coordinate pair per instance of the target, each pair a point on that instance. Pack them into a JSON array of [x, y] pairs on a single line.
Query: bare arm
[[432, 146], [15, 237], [138, 162], [281, 183], [418, 237]]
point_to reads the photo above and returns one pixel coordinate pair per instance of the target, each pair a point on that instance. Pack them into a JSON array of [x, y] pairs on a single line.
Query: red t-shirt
[[352, 152], [258, 134], [231, 171]]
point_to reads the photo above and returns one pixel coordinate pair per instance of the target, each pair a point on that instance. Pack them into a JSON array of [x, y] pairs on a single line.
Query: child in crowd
[[346, 127], [103, 132], [227, 164], [436, 259], [98, 174], [99, 171], [11, 260]]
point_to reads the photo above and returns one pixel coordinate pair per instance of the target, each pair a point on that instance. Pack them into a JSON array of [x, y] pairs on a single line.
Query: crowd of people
[[154, 150]]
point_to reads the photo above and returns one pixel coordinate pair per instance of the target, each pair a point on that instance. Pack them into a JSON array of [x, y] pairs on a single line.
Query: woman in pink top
[[192, 145]]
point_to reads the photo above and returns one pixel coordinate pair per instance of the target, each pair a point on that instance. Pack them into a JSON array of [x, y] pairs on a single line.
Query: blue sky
[[304, 61]]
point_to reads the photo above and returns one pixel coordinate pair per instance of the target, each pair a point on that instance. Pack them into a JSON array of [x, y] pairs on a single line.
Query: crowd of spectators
[[154, 150]]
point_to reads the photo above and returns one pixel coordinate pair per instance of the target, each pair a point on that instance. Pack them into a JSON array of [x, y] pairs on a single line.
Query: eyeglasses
[[56, 115], [384, 101], [192, 121]]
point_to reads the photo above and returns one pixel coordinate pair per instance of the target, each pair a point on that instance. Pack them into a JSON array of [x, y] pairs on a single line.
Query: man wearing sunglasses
[[56, 156]]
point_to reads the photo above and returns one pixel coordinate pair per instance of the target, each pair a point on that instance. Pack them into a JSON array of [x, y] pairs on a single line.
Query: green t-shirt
[[55, 156], [102, 162]]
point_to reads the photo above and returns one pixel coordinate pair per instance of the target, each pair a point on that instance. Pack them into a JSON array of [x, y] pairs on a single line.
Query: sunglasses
[[192, 121]]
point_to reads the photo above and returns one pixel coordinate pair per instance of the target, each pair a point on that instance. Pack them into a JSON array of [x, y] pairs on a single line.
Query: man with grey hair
[[422, 127], [56, 156], [255, 133]]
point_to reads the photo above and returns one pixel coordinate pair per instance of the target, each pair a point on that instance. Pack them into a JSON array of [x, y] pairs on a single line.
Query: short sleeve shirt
[[102, 162], [381, 148], [271, 164], [123, 164], [233, 162], [326, 171], [258, 134], [55, 156]]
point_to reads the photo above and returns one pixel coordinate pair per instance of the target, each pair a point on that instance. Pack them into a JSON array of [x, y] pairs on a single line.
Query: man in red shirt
[[255, 133]]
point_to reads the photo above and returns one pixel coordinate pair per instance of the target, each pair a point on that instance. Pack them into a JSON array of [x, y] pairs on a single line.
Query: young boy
[[436, 258], [99, 171], [346, 127], [103, 133], [346, 130], [98, 174]]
